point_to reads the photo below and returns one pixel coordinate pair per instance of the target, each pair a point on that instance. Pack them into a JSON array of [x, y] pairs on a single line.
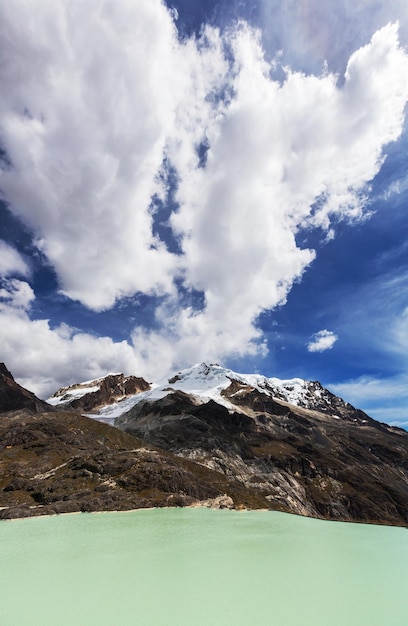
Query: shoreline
[[214, 504], [199, 505]]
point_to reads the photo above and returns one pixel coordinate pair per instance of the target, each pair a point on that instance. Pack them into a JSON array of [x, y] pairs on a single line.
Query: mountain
[[13, 397], [212, 382], [94, 394], [206, 435], [56, 461], [302, 448]]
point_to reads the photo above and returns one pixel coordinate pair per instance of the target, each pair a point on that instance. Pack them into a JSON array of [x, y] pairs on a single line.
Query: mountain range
[[204, 435]]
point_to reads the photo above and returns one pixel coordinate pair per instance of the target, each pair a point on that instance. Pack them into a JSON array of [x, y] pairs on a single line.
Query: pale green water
[[190, 567]]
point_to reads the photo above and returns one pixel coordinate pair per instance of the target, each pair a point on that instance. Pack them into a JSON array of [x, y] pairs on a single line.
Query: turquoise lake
[[190, 567]]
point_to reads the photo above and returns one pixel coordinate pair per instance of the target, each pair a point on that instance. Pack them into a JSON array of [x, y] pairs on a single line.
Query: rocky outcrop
[[13, 397], [344, 466], [90, 396]]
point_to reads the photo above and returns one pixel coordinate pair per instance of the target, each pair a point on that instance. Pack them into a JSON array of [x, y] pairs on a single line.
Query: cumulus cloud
[[322, 341], [15, 294], [44, 359], [11, 261], [281, 158], [88, 100], [94, 103]]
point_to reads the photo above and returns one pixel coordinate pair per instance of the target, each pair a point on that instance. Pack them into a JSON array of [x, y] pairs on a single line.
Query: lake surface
[[190, 567]]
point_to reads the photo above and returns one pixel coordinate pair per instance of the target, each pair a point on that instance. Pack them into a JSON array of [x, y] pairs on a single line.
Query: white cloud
[[275, 151], [371, 388], [396, 187], [322, 341], [91, 102], [11, 261], [43, 359], [88, 98], [15, 294], [312, 32]]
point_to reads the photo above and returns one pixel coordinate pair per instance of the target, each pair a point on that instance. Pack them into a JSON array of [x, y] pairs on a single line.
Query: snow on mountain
[[115, 394], [207, 382], [91, 395], [67, 394]]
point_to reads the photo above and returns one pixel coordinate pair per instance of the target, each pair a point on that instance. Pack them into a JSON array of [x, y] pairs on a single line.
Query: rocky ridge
[[95, 394], [14, 397]]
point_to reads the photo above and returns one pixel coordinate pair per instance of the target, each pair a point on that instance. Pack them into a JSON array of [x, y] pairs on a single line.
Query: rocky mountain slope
[[321, 457], [63, 462], [205, 435]]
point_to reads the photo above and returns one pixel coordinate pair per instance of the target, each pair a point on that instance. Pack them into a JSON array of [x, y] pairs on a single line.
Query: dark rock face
[[344, 466], [13, 397], [111, 388], [4, 371], [64, 462]]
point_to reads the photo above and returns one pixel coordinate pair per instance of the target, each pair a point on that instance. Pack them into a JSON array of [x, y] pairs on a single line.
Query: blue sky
[[221, 181]]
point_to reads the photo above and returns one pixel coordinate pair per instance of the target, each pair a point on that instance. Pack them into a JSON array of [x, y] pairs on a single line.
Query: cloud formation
[[383, 398], [11, 261], [15, 295], [89, 97], [322, 341], [44, 359], [312, 32], [281, 158], [96, 105]]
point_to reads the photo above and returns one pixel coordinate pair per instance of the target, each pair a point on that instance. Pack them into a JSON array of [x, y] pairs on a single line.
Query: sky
[[221, 181]]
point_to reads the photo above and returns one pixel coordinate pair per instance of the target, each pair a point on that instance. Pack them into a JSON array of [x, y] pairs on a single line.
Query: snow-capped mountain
[[212, 382], [291, 440], [205, 432]]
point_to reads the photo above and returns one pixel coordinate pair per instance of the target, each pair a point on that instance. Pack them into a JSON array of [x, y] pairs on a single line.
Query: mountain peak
[[13, 397], [5, 372], [214, 378], [93, 394], [205, 382]]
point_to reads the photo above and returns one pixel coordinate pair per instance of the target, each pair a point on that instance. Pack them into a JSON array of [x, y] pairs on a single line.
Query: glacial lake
[[197, 567]]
